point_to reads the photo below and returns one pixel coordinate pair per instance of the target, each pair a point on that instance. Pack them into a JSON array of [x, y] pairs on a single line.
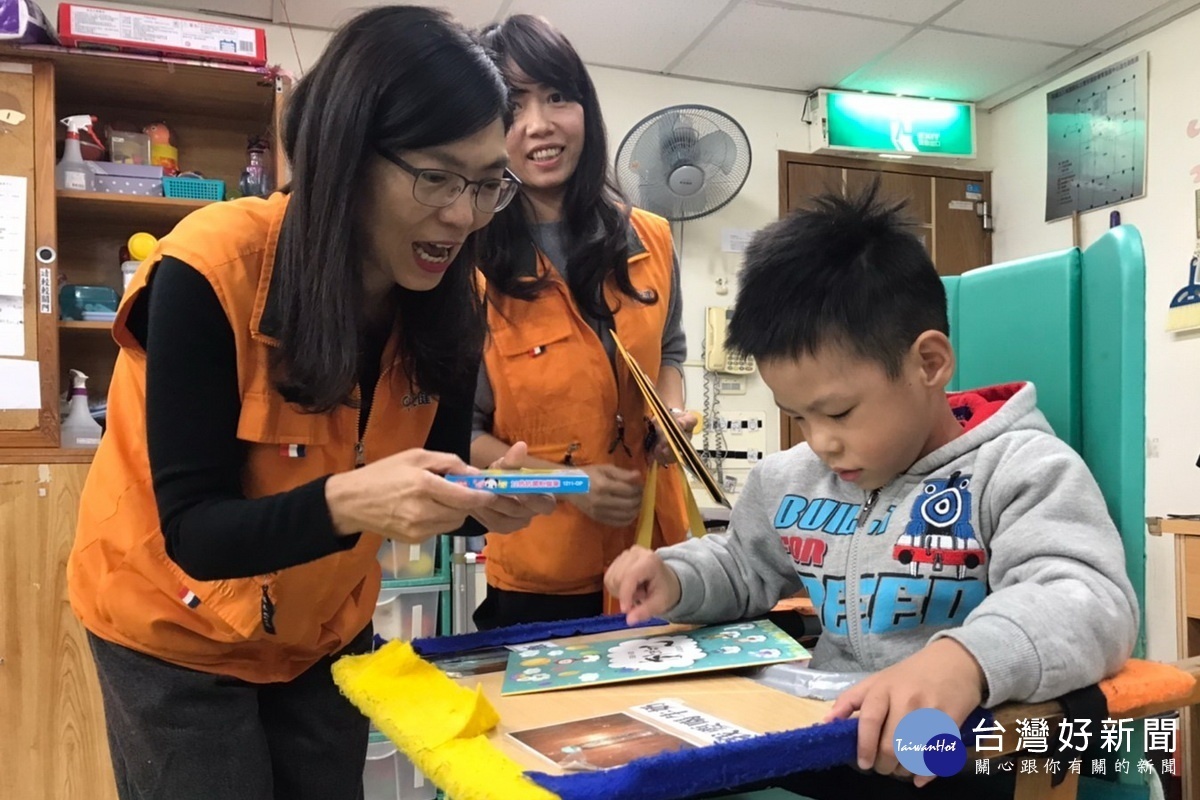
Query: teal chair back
[[1074, 323]]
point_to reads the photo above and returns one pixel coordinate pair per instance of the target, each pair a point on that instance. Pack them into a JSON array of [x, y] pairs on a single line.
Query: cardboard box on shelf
[[158, 34]]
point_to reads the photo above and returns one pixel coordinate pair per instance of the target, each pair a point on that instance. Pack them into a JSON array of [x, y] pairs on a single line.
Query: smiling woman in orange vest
[[565, 266], [295, 377]]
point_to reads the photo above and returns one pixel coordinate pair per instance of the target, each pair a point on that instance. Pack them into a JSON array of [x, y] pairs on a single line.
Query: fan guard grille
[[683, 162]]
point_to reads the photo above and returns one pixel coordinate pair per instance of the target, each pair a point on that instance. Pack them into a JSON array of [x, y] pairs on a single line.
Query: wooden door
[[28, 319], [961, 242], [805, 181], [914, 191], [941, 202], [54, 745]]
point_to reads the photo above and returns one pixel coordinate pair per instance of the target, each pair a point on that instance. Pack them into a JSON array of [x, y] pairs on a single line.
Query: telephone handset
[[718, 358]]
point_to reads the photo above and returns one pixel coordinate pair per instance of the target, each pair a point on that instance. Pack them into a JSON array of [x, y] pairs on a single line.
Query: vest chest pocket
[[552, 383], [285, 446]]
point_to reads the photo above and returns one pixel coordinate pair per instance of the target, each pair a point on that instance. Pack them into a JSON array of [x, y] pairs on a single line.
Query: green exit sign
[[880, 123]]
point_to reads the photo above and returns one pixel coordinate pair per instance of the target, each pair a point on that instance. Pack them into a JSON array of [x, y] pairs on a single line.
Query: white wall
[[1017, 154]]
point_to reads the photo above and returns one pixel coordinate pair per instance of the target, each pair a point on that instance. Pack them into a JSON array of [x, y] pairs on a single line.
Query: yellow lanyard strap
[[645, 525]]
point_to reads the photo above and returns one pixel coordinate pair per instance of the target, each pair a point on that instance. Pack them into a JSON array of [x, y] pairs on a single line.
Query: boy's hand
[[942, 675], [643, 583]]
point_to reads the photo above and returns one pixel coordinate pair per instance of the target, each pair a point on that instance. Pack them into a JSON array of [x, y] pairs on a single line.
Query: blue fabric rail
[[520, 634]]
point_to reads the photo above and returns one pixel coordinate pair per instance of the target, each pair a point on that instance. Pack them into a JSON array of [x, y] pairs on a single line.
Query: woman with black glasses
[[566, 265], [295, 378]]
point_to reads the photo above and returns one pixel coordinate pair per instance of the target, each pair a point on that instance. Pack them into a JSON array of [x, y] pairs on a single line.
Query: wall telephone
[[716, 357]]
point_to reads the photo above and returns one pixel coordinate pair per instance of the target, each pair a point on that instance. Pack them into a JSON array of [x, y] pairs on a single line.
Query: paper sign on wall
[[45, 291], [12, 235], [19, 387], [734, 240], [12, 326]]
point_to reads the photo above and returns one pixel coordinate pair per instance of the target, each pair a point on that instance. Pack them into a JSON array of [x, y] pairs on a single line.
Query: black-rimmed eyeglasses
[[438, 188]]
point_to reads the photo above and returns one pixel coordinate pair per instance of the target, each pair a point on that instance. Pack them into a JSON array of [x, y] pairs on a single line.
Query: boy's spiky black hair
[[844, 272]]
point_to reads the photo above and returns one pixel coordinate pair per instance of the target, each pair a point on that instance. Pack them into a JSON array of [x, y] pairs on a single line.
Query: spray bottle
[[72, 172], [79, 430]]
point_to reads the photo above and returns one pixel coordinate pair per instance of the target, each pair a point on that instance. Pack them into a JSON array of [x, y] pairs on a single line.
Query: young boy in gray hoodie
[[951, 544]]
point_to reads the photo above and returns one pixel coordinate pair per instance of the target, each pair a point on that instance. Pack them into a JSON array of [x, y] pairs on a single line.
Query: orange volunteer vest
[[557, 390], [124, 587]]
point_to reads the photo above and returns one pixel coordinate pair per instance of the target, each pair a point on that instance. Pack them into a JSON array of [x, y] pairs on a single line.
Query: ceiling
[[984, 51]]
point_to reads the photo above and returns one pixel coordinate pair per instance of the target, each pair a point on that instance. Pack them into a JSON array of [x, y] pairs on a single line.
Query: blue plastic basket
[[194, 188]]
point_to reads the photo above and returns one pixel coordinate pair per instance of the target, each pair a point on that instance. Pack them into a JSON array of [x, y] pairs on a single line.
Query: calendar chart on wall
[[1096, 139]]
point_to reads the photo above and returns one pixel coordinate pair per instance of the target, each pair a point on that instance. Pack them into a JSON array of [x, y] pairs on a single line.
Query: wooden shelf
[[1173, 525], [78, 325], [169, 85], [45, 455], [124, 209]]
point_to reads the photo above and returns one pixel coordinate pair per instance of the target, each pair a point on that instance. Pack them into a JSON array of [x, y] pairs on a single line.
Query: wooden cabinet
[[27, 157], [54, 745], [211, 110]]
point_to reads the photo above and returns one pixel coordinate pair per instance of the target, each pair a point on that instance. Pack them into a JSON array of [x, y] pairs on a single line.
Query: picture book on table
[[610, 740], [602, 742], [550, 667]]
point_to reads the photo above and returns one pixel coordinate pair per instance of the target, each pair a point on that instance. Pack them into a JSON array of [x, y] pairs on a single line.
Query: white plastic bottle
[[72, 171], [79, 430], [140, 246]]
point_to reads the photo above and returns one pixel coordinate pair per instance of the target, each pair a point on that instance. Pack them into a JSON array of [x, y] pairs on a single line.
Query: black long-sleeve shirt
[[213, 531]]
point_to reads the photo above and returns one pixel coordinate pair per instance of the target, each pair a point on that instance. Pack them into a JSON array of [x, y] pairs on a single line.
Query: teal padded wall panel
[[951, 284], [1020, 321], [1114, 387]]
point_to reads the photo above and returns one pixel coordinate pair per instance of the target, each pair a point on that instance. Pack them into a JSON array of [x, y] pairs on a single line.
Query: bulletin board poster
[[1096, 139]]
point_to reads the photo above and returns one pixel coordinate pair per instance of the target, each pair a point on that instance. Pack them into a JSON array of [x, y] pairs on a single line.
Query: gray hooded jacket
[[1000, 540]]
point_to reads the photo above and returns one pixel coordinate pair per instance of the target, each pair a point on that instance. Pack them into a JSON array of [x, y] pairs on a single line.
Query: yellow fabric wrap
[[645, 525], [441, 726]]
